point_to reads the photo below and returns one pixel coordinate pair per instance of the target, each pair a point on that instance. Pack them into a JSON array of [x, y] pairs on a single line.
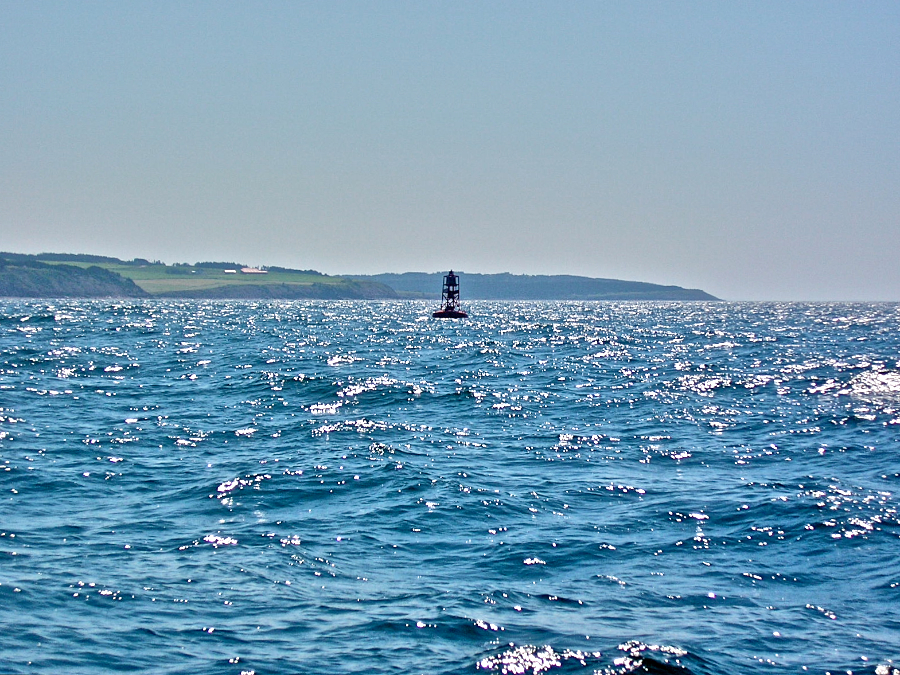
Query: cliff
[[21, 277]]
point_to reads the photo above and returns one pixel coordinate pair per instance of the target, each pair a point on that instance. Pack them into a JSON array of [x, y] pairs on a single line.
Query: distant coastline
[[62, 275], [534, 287]]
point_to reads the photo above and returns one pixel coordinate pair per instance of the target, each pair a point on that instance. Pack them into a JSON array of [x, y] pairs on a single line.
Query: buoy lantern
[[450, 308]]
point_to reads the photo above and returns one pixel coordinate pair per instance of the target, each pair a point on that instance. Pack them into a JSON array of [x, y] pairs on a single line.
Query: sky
[[751, 149]]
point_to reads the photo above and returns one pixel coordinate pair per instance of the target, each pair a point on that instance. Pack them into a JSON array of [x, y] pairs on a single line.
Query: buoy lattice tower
[[450, 294], [450, 308]]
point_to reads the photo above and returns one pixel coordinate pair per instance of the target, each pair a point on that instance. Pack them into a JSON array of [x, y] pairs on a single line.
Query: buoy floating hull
[[450, 314]]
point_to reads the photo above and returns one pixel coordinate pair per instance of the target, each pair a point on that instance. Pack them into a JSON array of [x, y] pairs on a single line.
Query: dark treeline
[[220, 265]]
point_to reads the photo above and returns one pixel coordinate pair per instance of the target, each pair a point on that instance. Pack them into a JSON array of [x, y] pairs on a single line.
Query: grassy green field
[[173, 278]]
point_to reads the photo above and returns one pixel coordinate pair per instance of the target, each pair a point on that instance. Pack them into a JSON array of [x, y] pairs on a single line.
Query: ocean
[[355, 487]]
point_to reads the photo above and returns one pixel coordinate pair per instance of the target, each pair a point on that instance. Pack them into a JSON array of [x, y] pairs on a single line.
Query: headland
[[64, 275]]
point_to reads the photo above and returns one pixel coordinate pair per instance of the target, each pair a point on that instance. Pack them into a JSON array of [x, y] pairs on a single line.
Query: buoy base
[[450, 314]]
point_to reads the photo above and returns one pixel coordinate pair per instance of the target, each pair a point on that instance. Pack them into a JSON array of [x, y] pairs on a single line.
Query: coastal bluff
[[25, 277]]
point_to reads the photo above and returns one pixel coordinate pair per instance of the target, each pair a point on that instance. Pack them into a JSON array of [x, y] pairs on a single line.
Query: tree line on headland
[[60, 275]]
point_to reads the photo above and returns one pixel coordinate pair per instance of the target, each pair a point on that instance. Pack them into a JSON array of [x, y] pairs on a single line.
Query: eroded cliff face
[[34, 279]]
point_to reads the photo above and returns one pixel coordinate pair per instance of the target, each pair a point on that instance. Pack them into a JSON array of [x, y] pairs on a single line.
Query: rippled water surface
[[198, 487]]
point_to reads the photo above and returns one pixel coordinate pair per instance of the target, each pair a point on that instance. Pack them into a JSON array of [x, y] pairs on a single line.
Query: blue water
[[352, 487]]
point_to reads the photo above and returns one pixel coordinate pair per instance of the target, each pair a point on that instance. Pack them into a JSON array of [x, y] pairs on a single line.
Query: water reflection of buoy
[[450, 308]]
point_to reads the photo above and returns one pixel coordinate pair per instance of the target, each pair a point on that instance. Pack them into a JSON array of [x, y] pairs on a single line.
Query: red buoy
[[450, 308]]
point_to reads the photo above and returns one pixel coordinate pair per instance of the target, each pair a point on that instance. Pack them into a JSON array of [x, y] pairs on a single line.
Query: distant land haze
[[507, 286], [63, 275]]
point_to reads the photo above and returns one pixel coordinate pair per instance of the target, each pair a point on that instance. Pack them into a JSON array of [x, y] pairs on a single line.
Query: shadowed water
[[351, 487]]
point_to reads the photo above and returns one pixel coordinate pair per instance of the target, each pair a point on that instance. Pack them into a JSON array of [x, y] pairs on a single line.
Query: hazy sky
[[751, 149]]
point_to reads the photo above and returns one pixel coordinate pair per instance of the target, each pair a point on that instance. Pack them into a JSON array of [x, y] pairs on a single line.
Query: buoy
[[450, 308]]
